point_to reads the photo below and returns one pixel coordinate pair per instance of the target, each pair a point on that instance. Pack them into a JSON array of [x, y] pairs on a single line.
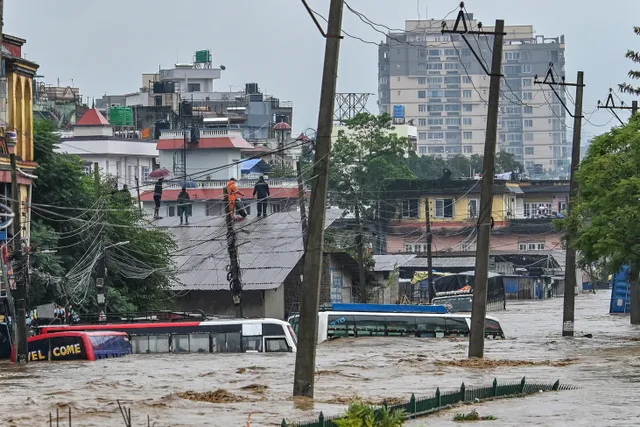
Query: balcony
[[204, 133], [222, 183]]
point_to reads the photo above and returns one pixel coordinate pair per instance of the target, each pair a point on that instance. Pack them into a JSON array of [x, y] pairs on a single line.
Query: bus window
[[220, 343], [252, 343], [199, 343], [38, 351], [276, 345], [456, 326], [368, 326], [429, 326], [180, 343], [67, 348], [340, 326], [401, 326], [140, 344], [293, 321], [159, 344], [234, 342]]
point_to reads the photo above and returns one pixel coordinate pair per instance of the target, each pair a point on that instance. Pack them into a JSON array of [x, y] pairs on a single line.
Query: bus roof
[[390, 308]]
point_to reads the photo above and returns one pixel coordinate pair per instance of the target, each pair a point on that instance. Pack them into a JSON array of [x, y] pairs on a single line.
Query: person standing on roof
[[233, 193], [183, 205], [157, 198], [261, 192]]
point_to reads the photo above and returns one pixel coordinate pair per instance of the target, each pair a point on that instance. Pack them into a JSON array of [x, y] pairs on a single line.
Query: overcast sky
[[105, 46]]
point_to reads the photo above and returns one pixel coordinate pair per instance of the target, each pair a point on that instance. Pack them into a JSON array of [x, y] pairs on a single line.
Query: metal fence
[[417, 407]]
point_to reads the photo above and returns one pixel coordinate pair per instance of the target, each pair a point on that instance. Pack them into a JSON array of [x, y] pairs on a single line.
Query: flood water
[[607, 369]]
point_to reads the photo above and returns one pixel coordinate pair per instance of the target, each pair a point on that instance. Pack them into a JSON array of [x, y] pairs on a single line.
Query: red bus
[[76, 345], [211, 336]]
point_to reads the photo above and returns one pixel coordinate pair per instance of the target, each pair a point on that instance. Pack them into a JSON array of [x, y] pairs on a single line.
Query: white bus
[[210, 336], [336, 324]]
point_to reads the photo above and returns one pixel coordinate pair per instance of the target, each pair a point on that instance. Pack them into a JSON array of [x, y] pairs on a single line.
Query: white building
[[118, 153]]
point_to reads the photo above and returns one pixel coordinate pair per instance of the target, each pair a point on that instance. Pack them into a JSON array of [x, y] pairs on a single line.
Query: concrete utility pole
[[19, 266], [361, 274], [568, 312], [479, 309], [427, 210], [302, 206], [610, 105], [303, 382], [235, 280], [138, 191]]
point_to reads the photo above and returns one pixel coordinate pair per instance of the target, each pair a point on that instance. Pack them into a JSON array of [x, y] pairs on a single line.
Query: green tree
[[427, 167], [70, 218], [506, 162], [605, 216], [282, 171], [634, 56]]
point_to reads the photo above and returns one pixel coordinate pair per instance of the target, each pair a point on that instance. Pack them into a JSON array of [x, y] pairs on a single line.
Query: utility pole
[[429, 249], [20, 267], [96, 178], [610, 105], [360, 249], [234, 277], [483, 247], [570, 280], [303, 382], [138, 191], [301, 205]]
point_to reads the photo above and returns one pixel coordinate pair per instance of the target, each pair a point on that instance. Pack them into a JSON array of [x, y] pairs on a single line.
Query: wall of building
[[202, 161], [219, 302], [341, 283], [274, 303]]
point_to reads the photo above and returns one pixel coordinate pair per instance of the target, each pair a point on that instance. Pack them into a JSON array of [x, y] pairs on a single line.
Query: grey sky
[[105, 46]]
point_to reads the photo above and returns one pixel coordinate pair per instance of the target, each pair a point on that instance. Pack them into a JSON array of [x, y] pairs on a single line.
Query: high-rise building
[[444, 89]]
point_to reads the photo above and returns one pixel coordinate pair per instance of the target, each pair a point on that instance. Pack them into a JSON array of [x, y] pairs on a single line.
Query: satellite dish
[[222, 67]]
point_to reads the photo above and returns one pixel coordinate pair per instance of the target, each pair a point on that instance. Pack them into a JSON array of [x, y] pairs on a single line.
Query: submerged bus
[[76, 345], [355, 323], [212, 336]]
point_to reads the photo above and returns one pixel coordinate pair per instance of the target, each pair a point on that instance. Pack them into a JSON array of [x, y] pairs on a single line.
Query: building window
[[528, 137], [466, 93], [528, 123], [434, 52], [467, 121], [337, 283], [436, 135], [527, 95], [527, 82], [193, 87], [422, 80], [213, 209], [474, 208], [467, 135], [467, 149], [422, 122], [422, 53], [145, 173], [434, 80], [435, 107], [422, 94], [528, 109], [435, 94], [531, 246], [466, 80], [528, 151], [435, 121], [88, 168], [171, 211], [526, 69], [451, 65], [467, 108], [422, 149], [422, 108], [422, 136], [536, 210], [444, 208], [511, 55], [434, 66], [422, 66], [410, 208], [453, 121]]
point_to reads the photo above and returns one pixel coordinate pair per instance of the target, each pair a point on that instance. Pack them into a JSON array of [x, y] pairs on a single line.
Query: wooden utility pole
[[570, 280], [19, 266], [303, 382], [361, 274], [234, 277], [479, 309], [634, 107], [301, 205], [429, 250]]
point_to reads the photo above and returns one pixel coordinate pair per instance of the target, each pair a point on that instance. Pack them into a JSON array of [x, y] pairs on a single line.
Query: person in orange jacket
[[233, 192]]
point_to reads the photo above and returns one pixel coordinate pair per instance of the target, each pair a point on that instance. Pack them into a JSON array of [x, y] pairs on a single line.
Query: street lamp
[[101, 283]]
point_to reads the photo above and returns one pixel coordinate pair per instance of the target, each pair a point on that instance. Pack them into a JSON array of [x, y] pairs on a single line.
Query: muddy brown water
[[607, 369]]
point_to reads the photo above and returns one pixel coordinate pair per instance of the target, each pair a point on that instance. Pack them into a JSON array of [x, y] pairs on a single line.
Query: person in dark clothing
[[157, 197], [183, 206], [261, 192]]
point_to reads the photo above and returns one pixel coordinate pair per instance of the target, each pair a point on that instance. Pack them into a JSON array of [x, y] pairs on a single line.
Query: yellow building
[[16, 114]]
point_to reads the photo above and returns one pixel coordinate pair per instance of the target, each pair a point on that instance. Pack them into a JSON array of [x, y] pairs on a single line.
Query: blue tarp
[[254, 165]]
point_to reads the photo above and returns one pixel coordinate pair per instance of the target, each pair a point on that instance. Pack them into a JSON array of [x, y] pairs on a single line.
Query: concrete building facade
[[444, 90]]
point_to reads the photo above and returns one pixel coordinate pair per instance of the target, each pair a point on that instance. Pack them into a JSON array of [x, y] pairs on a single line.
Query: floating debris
[[256, 388], [493, 363], [216, 396]]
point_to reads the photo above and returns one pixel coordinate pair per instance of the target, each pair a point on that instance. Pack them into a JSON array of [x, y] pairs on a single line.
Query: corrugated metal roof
[[452, 262], [268, 249], [388, 262]]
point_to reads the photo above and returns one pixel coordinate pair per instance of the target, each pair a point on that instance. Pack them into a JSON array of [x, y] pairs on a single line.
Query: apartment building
[[444, 89]]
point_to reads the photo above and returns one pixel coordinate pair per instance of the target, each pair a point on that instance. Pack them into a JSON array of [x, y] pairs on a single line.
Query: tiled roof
[[268, 249], [217, 194], [215, 142], [92, 117], [453, 262]]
